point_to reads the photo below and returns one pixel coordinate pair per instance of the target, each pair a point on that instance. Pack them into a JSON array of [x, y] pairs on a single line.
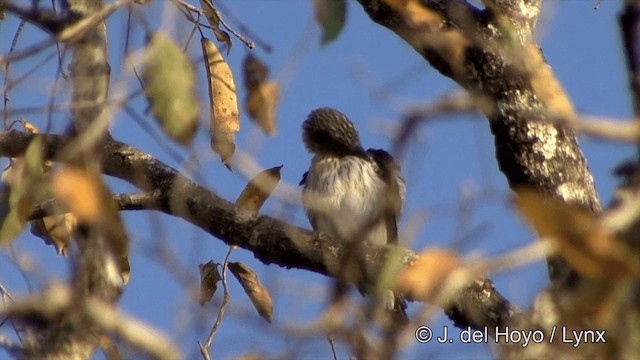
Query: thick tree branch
[[270, 240], [508, 76]]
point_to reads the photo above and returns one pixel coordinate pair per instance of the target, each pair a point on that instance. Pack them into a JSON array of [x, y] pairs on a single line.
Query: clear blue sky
[[446, 157]]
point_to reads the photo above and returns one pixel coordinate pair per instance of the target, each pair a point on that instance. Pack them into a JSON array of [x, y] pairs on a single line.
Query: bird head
[[327, 131]]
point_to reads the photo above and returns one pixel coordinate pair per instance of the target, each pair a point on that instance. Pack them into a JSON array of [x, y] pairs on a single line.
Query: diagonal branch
[[491, 53], [270, 240]]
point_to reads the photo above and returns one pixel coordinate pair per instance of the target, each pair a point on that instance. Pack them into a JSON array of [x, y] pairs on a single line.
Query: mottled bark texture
[[492, 54]]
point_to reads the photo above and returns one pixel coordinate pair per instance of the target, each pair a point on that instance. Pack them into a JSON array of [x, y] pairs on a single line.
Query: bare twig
[[204, 349], [242, 38]]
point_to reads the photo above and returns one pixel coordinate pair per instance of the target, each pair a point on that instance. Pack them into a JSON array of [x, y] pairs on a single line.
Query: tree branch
[[270, 240], [510, 79]]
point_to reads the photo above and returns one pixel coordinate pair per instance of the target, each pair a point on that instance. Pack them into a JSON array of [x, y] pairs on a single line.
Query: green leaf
[[331, 16], [22, 183], [169, 85]]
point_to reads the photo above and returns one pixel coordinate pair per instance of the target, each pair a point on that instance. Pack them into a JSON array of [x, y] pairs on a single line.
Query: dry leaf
[[169, 85], [258, 190], [209, 277], [576, 234], [79, 192], [262, 94], [423, 279], [85, 195], [55, 230], [214, 20], [225, 118], [331, 16], [253, 288]]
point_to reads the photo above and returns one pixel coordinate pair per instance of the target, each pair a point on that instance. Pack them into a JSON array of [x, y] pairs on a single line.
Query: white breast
[[343, 196]]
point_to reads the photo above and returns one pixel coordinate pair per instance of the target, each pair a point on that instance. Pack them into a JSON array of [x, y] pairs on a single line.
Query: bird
[[349, 193]]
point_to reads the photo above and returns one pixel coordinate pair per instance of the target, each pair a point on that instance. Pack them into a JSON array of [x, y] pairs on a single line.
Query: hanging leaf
[[20, 189], [55, 230], [262, 94], [169, 85], [225, 118], [254, 289], [258, 190], [214, 20], [209, 277], [331, 16]]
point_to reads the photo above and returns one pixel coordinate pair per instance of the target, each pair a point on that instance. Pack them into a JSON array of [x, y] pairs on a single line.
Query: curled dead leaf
[[225, 117], [262, 94], [209, 277], [258, 294], [577, 235], [423, 279], [258, 190]]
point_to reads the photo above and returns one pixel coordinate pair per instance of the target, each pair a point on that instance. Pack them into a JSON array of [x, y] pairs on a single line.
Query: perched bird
[[350, 194]]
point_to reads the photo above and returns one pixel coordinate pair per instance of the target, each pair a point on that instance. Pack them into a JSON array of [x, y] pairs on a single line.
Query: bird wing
[[389, 171]]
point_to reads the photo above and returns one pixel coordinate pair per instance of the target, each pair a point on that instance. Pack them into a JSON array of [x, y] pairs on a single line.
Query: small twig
[[6, 72], [333, 347], [204, 349], [250, 44], [138, 201]]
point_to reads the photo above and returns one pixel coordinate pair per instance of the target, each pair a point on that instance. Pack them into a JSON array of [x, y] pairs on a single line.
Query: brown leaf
[[55, 230], [423, 279], [576, 233], [225, 118], [254, 289], [169, 85], [258, 190], [262, 94], [209, 277]]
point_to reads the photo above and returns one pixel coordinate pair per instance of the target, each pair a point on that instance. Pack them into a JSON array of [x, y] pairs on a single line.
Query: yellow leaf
[[258, 190], [254, 289], [79, 192], [225, 118], [209, 277], [576, 233], [169, 85], [262, 94], [423, 279], [84, 194]]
